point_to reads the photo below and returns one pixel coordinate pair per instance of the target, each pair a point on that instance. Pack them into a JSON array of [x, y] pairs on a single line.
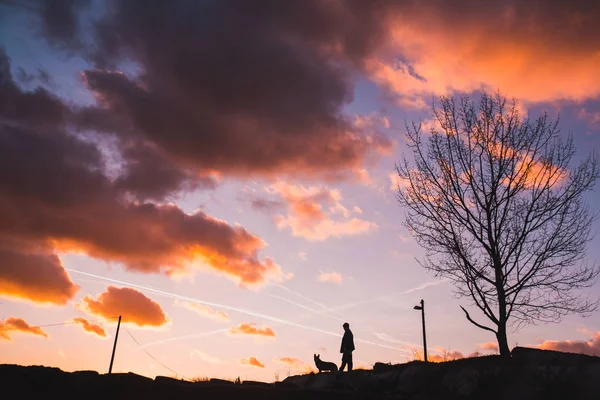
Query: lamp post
[[422, 308]]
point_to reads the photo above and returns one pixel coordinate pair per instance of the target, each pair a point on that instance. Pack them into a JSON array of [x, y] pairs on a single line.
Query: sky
[[221, 175]]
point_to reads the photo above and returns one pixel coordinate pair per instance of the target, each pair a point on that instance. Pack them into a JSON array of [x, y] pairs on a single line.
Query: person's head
[[346, 326]]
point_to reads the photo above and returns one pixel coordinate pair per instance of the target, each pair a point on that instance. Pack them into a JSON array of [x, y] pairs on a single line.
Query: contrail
[[387, 297], [231, 308], [326, 309], [298, 294], [196, 335], [320, 312]]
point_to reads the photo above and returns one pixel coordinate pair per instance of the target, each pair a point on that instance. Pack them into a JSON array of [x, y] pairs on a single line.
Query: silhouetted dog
[[324, 365]]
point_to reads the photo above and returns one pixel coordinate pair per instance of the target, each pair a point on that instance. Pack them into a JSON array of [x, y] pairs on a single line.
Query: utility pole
[[422, 308], [112, 358]]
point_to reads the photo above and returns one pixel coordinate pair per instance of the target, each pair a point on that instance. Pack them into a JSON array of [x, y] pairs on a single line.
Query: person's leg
[[347, 360], [343, 362]]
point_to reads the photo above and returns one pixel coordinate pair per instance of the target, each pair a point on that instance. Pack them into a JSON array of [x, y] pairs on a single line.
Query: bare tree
[[493, 200]]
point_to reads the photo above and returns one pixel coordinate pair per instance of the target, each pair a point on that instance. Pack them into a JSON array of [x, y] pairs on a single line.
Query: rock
[[221, 381], [256, 383], [166, 380], [464, 382]]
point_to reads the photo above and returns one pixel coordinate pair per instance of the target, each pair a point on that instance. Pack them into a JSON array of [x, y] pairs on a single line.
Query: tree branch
[[475, 323]]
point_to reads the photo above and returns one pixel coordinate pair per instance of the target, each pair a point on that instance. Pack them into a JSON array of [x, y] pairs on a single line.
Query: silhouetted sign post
[[422, 308], [112, 358]]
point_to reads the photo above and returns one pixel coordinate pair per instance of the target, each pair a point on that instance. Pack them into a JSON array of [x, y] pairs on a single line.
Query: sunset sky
[[221, 175]]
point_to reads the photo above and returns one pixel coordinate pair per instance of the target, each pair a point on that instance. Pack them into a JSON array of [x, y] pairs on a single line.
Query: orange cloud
[[133, 306], [513, 46], [250, 329], [14, 324], [90, 327], [203, 310], [333, 277], [441, 355], [62, 200], [164, 238], [252, 361], [489, 346], [590, 347], [37, 277], [294, 363], [316, 212]]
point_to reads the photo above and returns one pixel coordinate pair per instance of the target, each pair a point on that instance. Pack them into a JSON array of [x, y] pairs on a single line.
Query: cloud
[[180, 102], [488, 346], [273, 124], [438, 46], [133, 306], [251, 329], [316, 212], [148, 174], [90, 327], [266, 205], [444, 355], [56, 196], [397, 182], [252, 361], [60, 22], [295, 364], [203, 310], [333, 277], [199, 355], [38, 277], [592, 118], [37, 108], [14, 324], [590, 347]]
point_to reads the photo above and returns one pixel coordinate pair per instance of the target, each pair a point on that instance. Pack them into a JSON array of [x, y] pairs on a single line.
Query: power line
[[4, 326], [154, 358]]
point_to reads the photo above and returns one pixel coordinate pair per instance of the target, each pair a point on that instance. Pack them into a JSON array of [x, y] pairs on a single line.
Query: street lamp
[[422, 308]]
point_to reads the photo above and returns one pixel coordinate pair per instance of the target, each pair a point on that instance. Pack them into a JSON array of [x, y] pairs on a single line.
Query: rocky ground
[[529, 374]]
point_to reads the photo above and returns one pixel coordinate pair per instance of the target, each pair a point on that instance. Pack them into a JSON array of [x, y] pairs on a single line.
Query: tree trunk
[[502, 340], [501, 332]]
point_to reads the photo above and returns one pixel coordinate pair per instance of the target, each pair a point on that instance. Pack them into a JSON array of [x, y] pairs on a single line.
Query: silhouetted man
[[347, 347]]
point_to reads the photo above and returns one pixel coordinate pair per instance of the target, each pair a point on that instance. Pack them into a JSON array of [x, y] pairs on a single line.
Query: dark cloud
[[24, 77], [37, 108], [148, 174], [261, 94], [60, 21], [267, 205], [55, 195], [27, 78], [53, 191]]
